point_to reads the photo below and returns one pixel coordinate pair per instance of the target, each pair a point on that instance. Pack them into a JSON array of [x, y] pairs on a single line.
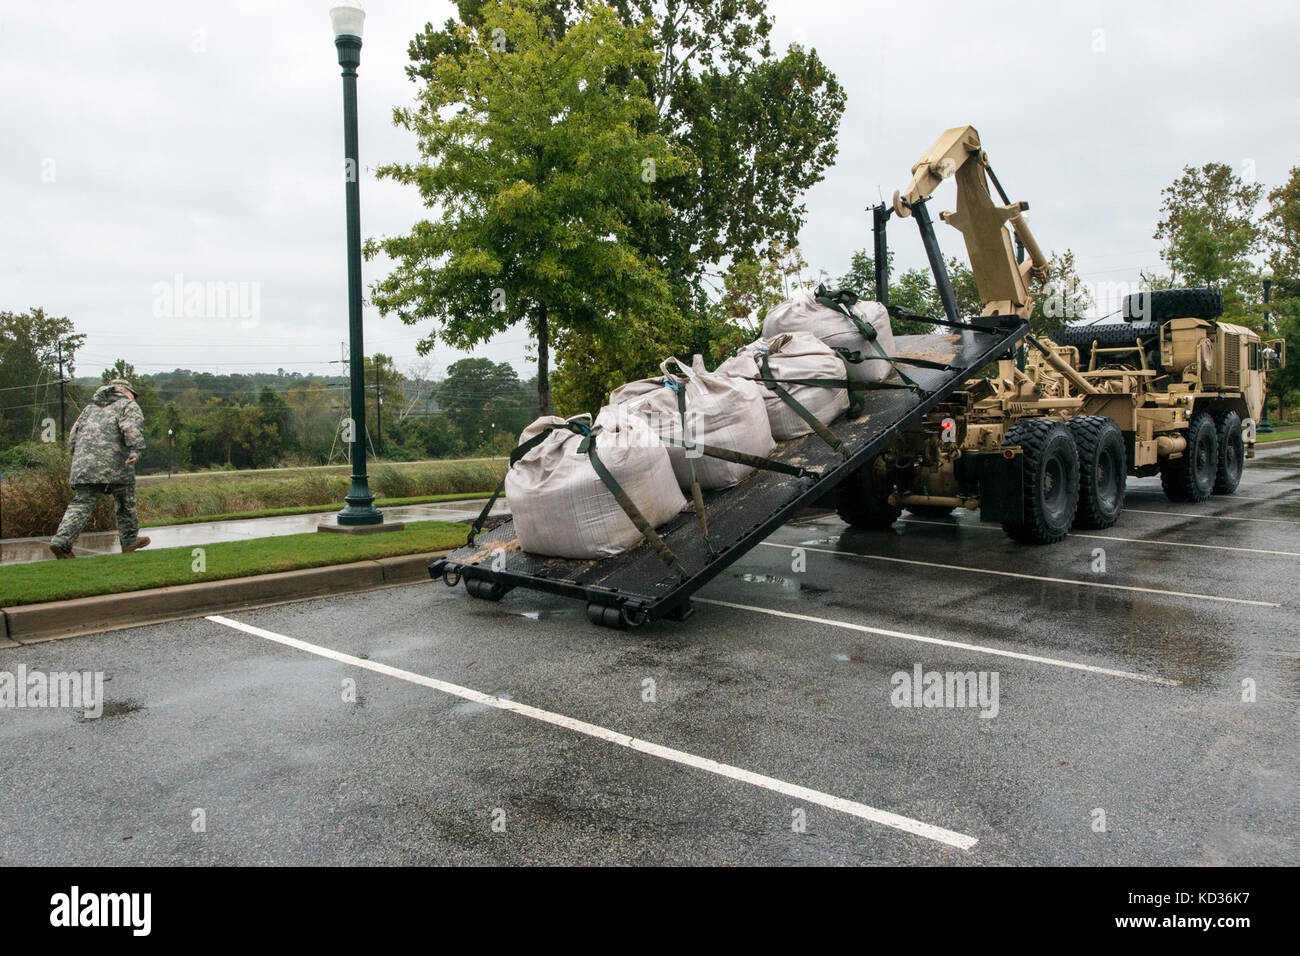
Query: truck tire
[[930, 511], [1166, 304], [1109, 335], [1051, 481], [1191, 476], [1232, 452], [1103, 471], [862, 505]]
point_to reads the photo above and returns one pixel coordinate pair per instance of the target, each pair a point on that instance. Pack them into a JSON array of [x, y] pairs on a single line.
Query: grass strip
[[313, 509], [117, 573], [1284, 433]]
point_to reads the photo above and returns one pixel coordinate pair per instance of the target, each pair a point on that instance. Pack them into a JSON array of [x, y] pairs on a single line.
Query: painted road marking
[[1027, 577], [1190, 514], [960, 645], [916, 827], [1111, 537]]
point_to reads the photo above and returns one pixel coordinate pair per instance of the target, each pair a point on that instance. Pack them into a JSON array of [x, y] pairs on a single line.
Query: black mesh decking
[[740, 517]]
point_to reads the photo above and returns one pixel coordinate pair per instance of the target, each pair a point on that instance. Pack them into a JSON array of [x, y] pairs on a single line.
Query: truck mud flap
[[1002, 486]]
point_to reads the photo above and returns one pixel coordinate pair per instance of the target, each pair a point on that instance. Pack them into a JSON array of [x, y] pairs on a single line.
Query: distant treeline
[[198, 420]]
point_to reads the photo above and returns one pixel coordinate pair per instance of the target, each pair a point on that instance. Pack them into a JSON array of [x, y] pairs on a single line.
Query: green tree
[[274, 411], [762, 126], [383, 382], [539, 161], [1209, 230], [314, 414], [1282, 233], [1282, 228], [29, 370], [1062, 297], [481, 398]]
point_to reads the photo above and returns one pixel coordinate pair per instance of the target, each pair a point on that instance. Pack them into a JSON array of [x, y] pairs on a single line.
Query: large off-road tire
[[1051, 481], [1191, 476], [1103, 471], [930, 511], [862, 504], [1109, 335], [1232, 452], [1165, 304]]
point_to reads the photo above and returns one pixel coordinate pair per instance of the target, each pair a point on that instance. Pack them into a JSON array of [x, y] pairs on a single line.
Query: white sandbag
[[793, 355], [803, 313], [562, 509], [721, 411]]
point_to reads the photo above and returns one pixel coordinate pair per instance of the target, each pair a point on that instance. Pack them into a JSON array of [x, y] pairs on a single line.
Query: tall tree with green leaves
[[1282, 228], [540, 159], [29, 370], [1209, 228], [481, 398], [761, 127], [1282, 235]]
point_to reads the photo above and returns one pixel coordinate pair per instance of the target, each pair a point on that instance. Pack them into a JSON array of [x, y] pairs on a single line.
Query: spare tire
[[1165, 304], [1108, 335]]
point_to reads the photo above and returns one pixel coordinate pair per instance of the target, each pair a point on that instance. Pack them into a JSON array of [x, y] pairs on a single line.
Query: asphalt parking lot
[[1144, 712]]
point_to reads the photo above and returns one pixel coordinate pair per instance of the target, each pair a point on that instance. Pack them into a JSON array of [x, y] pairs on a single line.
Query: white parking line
[[1192, 514], [1111, 537], [951, 838], [1027, 577], [959, 645]]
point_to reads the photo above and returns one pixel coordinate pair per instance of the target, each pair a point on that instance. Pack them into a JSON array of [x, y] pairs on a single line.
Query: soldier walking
[[106, 442]]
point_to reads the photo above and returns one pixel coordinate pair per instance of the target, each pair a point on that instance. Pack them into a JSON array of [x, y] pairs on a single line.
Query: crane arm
[[1003, 283]]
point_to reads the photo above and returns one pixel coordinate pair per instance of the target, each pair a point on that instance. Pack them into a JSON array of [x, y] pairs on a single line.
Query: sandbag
[[561, 507], [721, 410], [793, 355], [803, 313]]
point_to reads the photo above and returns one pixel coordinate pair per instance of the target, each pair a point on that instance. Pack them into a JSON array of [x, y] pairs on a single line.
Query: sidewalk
[[24, 550]]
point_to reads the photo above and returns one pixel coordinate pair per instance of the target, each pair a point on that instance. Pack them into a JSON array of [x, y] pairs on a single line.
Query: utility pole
[[63, 432]]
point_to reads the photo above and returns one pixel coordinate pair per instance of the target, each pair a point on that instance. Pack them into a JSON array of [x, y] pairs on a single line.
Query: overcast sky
[[147, 140]]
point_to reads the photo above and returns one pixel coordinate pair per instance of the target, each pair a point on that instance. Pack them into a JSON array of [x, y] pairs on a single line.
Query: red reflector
[[1008, 455]]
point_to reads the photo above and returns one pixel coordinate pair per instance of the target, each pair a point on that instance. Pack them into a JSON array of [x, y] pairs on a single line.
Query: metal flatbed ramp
[[637, 585]]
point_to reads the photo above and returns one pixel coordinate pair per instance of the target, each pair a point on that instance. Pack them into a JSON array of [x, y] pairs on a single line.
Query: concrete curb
[[33, 623], [1284, 443]]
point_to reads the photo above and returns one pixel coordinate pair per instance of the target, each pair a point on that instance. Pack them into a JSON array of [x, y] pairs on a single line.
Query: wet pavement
[[1145, 712], [20, 550]]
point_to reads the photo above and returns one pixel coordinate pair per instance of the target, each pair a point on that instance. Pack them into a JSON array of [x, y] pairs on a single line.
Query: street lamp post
[[1264, 427], [348, 19]]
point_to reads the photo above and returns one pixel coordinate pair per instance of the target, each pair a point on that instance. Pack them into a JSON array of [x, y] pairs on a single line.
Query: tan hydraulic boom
[[1003, 282]]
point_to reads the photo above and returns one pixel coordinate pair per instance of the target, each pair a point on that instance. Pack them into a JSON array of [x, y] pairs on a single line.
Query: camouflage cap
[[123, 383]]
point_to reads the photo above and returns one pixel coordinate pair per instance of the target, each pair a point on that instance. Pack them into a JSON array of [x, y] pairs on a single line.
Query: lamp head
[[348, 20]]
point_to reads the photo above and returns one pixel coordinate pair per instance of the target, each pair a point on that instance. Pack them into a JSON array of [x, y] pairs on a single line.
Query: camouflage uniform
[[108, 432]]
